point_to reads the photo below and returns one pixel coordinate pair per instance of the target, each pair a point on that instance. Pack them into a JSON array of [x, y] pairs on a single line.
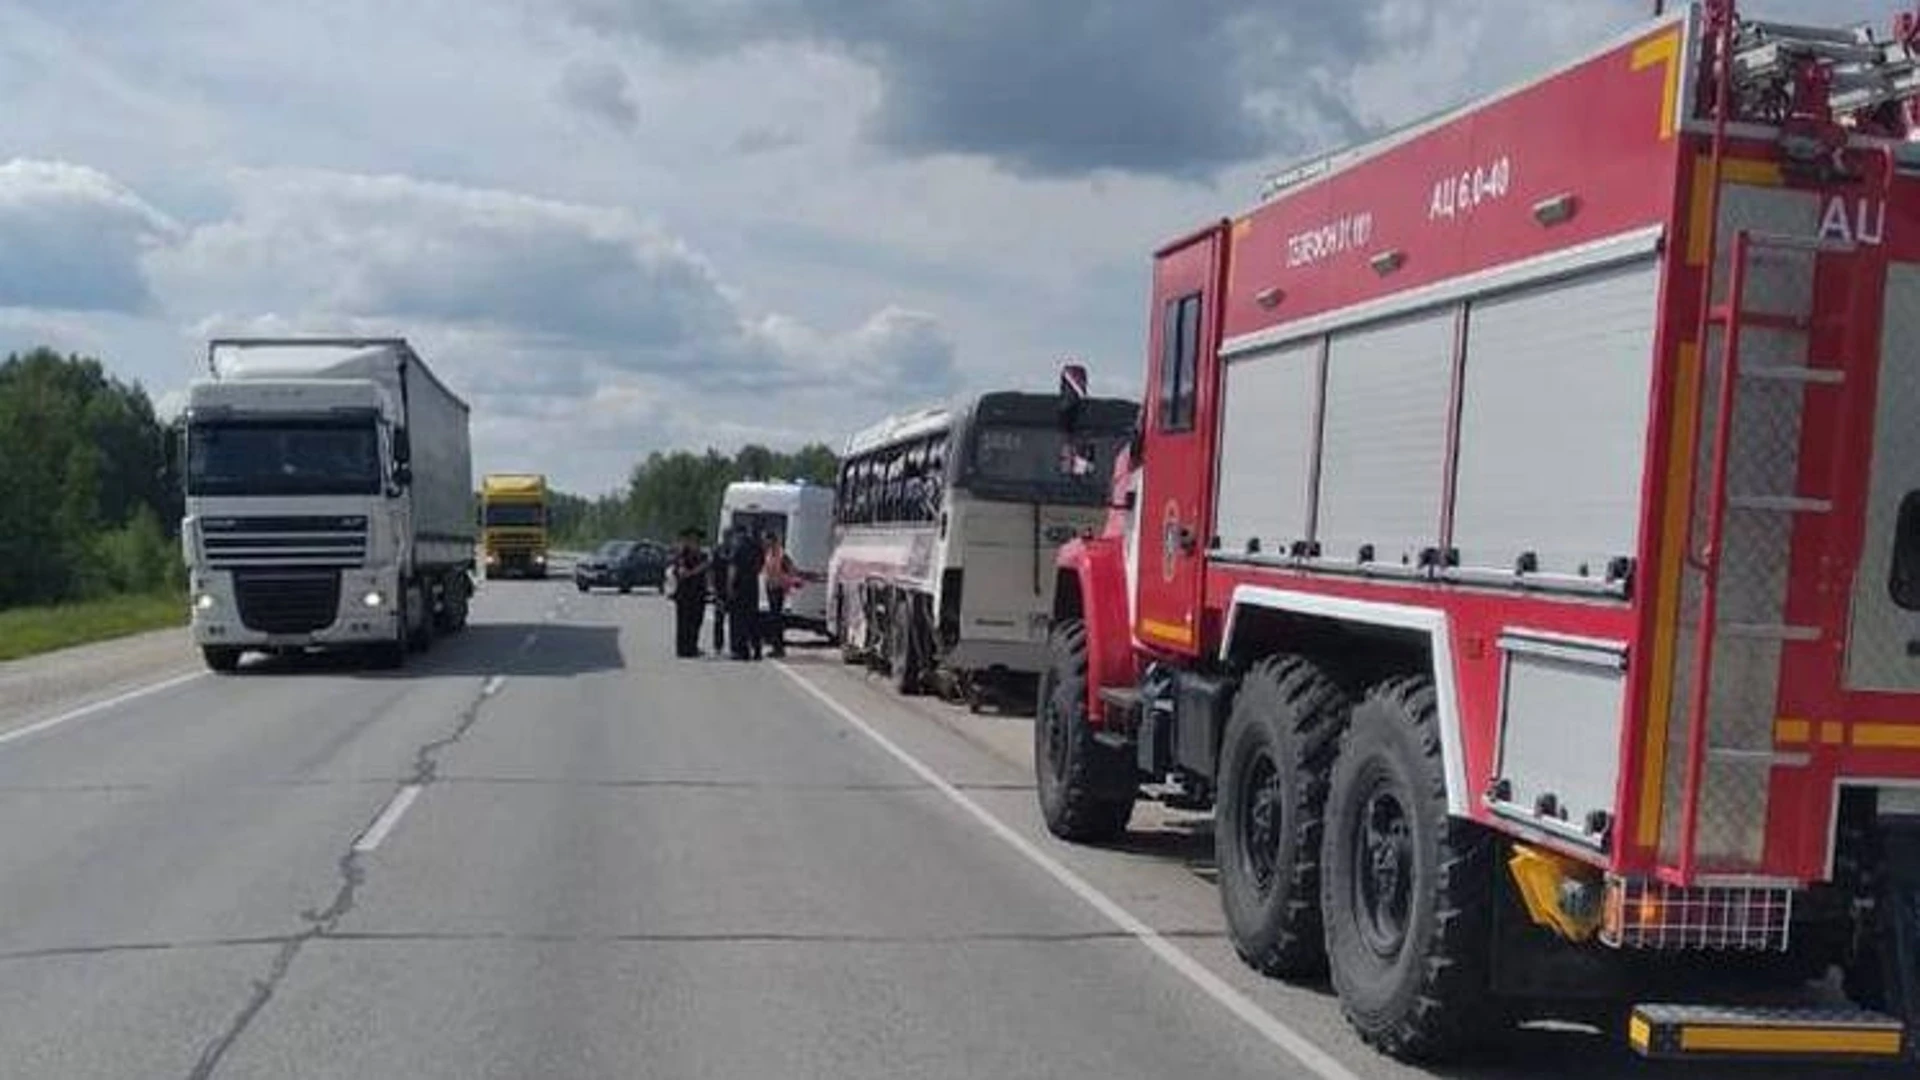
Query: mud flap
[[1900, 853]]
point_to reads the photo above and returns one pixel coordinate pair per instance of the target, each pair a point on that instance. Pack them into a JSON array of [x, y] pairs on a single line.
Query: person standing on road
[[717, 567], [743, 595], [690, 567], [776, 569]]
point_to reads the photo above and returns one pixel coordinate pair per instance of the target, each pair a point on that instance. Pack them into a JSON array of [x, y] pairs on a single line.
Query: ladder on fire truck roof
[[1861, 72]]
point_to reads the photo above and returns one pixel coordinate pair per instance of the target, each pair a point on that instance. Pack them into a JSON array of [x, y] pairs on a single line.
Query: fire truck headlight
[[373, 599]]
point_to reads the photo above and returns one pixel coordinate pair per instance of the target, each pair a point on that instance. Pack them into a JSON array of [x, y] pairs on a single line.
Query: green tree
[[84, 455]]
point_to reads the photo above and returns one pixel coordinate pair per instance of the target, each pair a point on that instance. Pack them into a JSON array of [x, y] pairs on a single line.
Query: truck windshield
[[280, 457], [1043, 464], [522, 514]]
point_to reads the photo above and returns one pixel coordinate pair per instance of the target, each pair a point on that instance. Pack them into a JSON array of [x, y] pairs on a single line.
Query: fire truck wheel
[[1274, 758], [1086, 789], [1406, 891]]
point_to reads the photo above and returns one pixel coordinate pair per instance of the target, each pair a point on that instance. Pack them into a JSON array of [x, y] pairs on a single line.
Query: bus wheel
[[1406, 891], [904, 661], [1086, 789], [1274, 758]]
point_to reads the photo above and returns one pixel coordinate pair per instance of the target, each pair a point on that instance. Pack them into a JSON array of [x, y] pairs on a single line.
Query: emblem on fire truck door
[[1170, 541]]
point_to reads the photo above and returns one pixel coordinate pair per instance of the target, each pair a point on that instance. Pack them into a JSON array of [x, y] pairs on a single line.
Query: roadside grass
[[26, 631]]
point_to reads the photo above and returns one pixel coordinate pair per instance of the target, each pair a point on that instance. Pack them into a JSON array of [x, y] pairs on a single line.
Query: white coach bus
[[802, 516], [949, 518]]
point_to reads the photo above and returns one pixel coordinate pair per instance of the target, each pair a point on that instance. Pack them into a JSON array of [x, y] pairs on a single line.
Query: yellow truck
[[513, 524]]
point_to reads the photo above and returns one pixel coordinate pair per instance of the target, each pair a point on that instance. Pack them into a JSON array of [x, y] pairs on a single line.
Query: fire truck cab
[[1520, 553]]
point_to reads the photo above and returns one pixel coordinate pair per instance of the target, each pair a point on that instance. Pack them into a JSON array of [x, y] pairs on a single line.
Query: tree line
[[672, 490], [88, 503]]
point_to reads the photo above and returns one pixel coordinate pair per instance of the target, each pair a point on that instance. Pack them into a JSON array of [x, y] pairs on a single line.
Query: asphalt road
[[548, 849]]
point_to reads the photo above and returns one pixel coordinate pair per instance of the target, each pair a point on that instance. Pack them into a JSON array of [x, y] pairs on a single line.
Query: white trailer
[[801, 514], [329, 499]]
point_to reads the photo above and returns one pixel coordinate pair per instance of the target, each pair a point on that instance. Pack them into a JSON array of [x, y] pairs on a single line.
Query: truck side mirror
[[1073, 394], [402, 474]]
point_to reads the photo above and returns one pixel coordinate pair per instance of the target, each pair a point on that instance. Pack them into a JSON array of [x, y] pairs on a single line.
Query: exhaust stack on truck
[[329, 499]]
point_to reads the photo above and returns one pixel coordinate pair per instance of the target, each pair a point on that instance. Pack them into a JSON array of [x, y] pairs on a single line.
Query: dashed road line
[[389, 817]]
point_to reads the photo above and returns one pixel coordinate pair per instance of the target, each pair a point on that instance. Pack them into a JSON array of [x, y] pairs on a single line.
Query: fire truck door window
[[1883, 641], [1180, 351], [1384, 448], [1266, 449], [1553, 422]]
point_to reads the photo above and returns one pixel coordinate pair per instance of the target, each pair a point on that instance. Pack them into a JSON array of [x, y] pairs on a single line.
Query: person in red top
[[776, 573]]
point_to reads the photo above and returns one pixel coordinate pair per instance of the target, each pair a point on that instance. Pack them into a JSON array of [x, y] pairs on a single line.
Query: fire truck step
[[1770, 631], [1124, 698], [1734, 1031], [1785, 373], [1783, 504]]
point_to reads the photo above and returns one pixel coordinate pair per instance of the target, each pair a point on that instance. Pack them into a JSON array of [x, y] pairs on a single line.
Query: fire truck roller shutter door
[[1267, 449], [1553, 422], [1383, 450]]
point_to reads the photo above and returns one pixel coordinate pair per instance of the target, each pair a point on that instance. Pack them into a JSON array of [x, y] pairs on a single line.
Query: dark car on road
[[625, 565]]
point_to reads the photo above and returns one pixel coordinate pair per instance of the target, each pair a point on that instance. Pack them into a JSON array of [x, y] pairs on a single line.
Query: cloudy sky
[[622, 225]]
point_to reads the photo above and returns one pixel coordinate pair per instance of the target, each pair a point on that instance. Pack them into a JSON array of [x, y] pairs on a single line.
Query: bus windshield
[[1043, 464]]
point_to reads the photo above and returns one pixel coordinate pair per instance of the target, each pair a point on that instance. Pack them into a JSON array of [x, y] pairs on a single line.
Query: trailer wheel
[[1274, 759], [221, 658], [1406, 891], [1086, 790]]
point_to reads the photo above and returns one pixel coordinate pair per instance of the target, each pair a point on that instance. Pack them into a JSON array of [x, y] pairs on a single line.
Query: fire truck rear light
[[1557, 210], [1388, 261], [1646, 914]]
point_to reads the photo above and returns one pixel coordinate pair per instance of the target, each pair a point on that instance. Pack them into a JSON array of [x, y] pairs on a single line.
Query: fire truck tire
[[420, 638], [1274, 758], [1086, 790], [1406, 891]]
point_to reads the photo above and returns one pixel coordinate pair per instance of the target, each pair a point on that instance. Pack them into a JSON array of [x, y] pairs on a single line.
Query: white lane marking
[[390, 816], [1271, 1027], [528, 644], [492, 685], [99, 706]]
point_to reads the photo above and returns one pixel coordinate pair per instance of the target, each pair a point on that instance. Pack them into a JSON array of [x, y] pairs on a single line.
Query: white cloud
[[72, 238]]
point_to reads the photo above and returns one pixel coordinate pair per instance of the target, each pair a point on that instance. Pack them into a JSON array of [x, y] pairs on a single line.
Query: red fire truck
[[1520, 553]]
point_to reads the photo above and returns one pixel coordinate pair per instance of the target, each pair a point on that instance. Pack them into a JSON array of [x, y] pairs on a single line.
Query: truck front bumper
[[365, 611]]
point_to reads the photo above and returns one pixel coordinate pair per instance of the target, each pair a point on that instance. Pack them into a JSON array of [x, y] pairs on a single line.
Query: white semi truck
[[329, 489]]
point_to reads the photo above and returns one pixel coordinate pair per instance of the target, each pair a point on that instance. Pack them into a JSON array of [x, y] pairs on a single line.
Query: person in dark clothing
[[717, 588], [776, 570], [690, 566], [743, 595]]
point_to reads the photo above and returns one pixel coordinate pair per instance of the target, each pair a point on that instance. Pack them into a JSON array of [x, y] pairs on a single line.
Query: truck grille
[[232, 542], [287, 601]]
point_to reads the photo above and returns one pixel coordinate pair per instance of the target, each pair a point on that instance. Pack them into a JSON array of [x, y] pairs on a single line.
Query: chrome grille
[[235, 542]]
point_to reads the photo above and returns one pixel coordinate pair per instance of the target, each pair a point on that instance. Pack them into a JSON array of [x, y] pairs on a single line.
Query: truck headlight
[[203, 602], [373, 599], [539, 558]]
